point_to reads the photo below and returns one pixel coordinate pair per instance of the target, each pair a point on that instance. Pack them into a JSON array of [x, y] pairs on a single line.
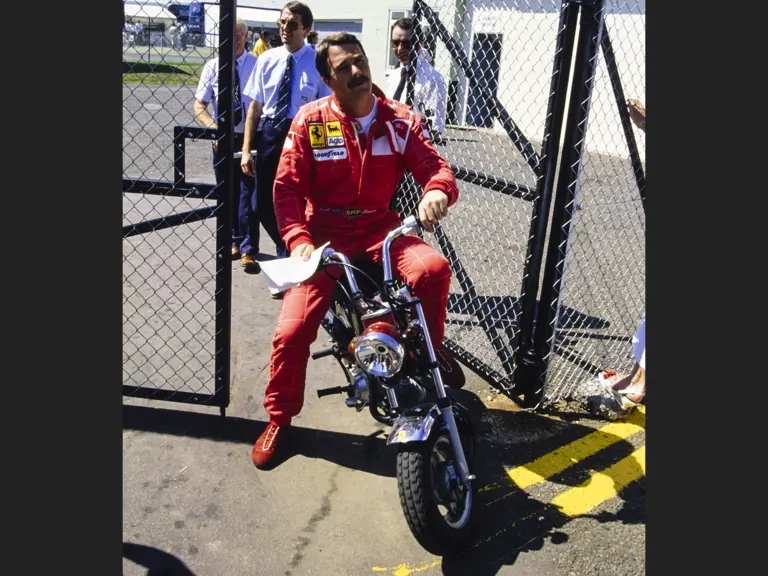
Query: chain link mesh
[[168, 272], [604, 257], [508, 47]]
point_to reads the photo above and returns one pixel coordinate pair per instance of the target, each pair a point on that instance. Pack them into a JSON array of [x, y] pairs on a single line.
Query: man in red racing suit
[[340, 164]]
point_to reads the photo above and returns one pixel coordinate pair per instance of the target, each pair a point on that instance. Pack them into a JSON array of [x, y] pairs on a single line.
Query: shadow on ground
[[357, 452], [509, 520], [157, 562]]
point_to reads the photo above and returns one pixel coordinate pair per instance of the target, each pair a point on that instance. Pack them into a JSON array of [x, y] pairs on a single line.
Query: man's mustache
[[356, 81]]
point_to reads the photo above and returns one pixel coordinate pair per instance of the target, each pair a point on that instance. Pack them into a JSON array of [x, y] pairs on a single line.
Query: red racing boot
[[264, 450]]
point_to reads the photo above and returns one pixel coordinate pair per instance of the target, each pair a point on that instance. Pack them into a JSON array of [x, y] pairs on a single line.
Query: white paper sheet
[[284, 273]]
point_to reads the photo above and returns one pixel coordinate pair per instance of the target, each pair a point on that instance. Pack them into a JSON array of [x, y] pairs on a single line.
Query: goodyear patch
[[330, 154], [316, 135], [335, 135]]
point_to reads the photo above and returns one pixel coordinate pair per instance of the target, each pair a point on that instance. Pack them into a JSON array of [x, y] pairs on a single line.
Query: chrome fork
[[411, 224]]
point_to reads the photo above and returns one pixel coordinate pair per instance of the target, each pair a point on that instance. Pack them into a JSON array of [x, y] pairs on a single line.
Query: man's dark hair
[[302, 10], [404, 23], [266, 34], [338, 39]]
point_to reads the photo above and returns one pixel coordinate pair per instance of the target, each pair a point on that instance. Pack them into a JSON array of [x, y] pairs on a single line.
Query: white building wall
[[528, 29]]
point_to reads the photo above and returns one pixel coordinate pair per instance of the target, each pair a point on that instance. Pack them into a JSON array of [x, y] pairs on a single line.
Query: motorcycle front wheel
[[437, 508]]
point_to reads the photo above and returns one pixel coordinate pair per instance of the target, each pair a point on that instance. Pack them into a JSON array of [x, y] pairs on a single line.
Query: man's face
[[292, 31], [350, 73], [240, 35], [401, 43]]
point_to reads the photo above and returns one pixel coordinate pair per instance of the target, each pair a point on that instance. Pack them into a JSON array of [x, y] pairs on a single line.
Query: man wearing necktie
[[245, 225], [429, 92], [284, 80]]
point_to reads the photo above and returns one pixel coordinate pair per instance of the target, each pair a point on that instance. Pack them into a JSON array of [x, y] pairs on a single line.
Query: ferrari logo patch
[[316, 135]]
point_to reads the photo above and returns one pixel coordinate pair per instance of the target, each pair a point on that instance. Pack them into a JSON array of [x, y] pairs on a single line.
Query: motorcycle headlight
[[378, 353]]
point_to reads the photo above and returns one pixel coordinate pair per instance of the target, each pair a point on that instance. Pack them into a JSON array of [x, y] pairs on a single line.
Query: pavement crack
[[302, 542]]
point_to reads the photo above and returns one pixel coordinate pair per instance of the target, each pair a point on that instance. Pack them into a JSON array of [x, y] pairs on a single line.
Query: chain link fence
[[496, 59], [514, 71], [548, 258], [596, 260], [174, 289]]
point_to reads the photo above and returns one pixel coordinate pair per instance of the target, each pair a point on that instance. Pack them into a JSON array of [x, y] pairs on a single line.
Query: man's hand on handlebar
[[246, 163], [433, 207], [303, 251]]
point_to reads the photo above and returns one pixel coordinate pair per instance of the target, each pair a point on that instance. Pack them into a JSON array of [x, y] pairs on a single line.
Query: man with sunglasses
[[285, 79], [429, 93], [338, 171]]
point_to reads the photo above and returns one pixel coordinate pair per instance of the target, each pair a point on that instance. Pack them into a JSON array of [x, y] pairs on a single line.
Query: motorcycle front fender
[[414, 425]]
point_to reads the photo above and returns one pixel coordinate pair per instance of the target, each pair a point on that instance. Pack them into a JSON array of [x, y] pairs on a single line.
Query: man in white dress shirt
[[429, 92], [284, 80], [245, 223]]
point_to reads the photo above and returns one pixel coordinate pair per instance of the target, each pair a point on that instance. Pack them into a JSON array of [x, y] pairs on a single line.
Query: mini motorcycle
[[379, 337]]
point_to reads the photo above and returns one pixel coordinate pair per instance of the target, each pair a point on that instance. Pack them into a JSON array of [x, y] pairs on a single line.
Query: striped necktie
[[237, 103], [284, 95]]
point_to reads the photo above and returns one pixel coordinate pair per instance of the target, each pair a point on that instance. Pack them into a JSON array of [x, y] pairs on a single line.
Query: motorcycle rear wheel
[[440, 515]]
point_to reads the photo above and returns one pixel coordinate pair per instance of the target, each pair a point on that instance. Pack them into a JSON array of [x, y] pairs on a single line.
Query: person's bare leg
[[632, 385]]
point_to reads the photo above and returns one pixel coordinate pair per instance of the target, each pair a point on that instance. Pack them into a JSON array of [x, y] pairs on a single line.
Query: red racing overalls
[[335, 184]]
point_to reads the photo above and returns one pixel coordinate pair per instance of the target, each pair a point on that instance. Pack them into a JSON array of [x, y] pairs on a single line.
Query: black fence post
[[587, 49], [626, 122], [526, 360], [226, 134]]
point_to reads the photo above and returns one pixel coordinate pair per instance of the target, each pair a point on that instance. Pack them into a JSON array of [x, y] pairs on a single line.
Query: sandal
[[610, 377]]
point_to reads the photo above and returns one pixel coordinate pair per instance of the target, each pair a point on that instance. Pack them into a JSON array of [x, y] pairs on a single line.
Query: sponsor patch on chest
[[330, 154], [333, 129], [316, 134], [400, 132]]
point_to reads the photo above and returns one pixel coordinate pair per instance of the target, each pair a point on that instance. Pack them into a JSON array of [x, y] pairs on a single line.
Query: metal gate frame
[[581, 29], [518, 387], [222, 193], [593, 36]]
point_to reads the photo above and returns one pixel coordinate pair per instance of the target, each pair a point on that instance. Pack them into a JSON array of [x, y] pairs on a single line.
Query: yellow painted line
[[554, 462], [602, 486], [405, 570]]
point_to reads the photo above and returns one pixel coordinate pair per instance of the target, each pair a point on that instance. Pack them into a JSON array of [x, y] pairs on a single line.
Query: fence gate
[[593, 289], [513, 70], [176, 232]]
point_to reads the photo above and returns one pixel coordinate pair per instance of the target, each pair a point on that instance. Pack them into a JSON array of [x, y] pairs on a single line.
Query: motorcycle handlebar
[[409, 225]]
